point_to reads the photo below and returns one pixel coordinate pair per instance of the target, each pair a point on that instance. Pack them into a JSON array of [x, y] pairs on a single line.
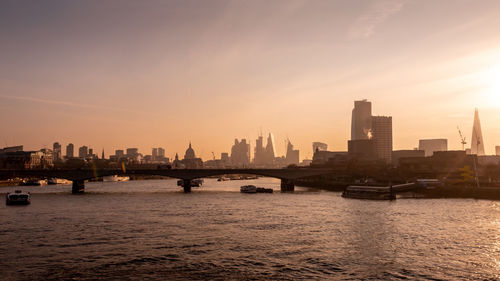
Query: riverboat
[[194, 183], [369, 192], [33, 182], [248, 189], [18, 198]]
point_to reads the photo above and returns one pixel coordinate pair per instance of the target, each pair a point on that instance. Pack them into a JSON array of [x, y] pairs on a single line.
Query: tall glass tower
[[361, 120], [477, 144]]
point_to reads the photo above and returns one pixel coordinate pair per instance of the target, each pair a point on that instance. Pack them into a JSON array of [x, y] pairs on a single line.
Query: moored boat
[[248, 189], [369, 192], [18, 198]]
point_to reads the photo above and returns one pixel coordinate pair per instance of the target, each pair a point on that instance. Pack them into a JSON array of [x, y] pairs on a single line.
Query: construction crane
[[462, 138]]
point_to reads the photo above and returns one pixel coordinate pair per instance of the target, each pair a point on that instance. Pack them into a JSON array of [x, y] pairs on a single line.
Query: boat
[[248, 189], [264, 190], [18, 198], [114, 178], [194, 183], [223, 178], [57, 181], [369, 192], [33, 182]]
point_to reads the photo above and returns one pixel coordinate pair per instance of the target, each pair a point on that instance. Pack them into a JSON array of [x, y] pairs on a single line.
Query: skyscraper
[[240, 153], [56, 148], [83, 152], [70, 150], [382, 137], [319, 146], [361, 120], [258, 157], [477, 143], [292, 155], [270, 150]]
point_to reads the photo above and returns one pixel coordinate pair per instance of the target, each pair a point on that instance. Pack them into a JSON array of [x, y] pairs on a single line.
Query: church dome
[[189, 153]]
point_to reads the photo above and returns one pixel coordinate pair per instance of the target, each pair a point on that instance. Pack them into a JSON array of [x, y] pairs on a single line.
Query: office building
[[477, 142], [292, 155], [361, 123], [240, 153], [56, 150], [399, 154], [70, 150], [83, 152], [381, 134], [319, 146], [361, 149], [432, 145], [264, 156]]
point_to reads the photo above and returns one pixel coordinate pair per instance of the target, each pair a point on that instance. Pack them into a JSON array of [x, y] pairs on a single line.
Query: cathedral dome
[[189, 153]]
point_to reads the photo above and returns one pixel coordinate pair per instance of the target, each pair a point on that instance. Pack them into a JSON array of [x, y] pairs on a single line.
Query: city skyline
[[143, 76]]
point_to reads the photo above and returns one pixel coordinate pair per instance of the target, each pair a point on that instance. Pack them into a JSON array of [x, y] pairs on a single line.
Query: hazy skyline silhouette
[[116, 74]]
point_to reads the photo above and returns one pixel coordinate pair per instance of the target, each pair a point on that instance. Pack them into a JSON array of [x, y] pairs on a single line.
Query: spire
[[477, 143]]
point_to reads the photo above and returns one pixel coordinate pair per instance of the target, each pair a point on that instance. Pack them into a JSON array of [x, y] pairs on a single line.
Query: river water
[[151, 230]]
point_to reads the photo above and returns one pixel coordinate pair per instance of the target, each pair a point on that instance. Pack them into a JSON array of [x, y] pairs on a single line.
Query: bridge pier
[[187, 186], [78, 187], [287, 185]]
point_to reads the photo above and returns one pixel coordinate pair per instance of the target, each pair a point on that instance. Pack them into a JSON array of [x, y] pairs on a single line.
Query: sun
[[490, 86]]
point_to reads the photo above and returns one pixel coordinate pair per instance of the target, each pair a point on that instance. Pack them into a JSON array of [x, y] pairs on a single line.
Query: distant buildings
[[429, 146], [56, 150], [477, 143], [264, 156], [70, 151], [399, 154], [497, 149], [83, 152], [292, 155], [15, 158], [382, 137], [361, 120], [240, 153], [361, 149], [190, 160], [319, 146]]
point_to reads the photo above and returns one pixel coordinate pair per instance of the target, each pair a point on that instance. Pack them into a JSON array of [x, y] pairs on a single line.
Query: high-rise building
[[259, 158], [292, 155], [361, 149], [497, 149], [477, 143], [361, 123], [119, 153], [240, 153], [154, 154], [83, 152], [429, 146], [224, 156], [381, 133], [133, 154], [319, 146], [161, 152], [56, 151], [70, 150], [270, 150]]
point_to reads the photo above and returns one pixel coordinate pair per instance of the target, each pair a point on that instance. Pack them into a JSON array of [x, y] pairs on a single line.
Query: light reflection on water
[[151, 229]]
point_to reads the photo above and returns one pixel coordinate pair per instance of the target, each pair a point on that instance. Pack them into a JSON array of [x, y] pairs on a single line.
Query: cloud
[[70, 104], [365, 25]]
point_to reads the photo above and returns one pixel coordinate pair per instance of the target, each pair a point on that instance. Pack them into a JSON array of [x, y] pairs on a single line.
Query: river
[[150, 229]]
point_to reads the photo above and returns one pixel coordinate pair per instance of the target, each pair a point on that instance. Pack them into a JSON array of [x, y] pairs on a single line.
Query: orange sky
[[117, 74]]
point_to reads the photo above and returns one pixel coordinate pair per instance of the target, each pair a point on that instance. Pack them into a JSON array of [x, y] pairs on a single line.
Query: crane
[[462, 138]]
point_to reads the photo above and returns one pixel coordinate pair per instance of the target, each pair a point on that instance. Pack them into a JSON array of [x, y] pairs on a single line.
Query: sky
[[117, 74]]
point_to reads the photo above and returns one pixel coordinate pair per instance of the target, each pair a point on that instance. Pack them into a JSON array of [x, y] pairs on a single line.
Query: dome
[[189, 153]]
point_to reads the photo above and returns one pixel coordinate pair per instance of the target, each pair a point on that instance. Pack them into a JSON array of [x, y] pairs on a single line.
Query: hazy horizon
[[118, 74]]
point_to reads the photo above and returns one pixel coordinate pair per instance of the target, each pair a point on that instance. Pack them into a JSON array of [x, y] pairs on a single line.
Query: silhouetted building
[[264, 156], [361, 120], [11, 149], [322, 157], [361, 149], [133, 154], [189, 153], [119, 153], [224, 156], [319, 146], [477, 143], [158, 155], [56, 150], [381, 131], [398, 154], [240, 153], [497, 148], [429, 146], [13, 158], [70, 151], [190, 161], [83, 152], [488, 160], [292, 155]]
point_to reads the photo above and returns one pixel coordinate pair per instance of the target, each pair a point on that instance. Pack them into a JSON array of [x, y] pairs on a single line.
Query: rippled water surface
[[151, 230]]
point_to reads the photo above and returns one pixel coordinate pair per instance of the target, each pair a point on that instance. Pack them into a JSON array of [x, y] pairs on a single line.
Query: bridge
[[287, 176]]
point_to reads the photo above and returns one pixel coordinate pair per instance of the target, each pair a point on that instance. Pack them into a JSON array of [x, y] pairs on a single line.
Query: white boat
[[18, 198], [115, 178], [248, 189]]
